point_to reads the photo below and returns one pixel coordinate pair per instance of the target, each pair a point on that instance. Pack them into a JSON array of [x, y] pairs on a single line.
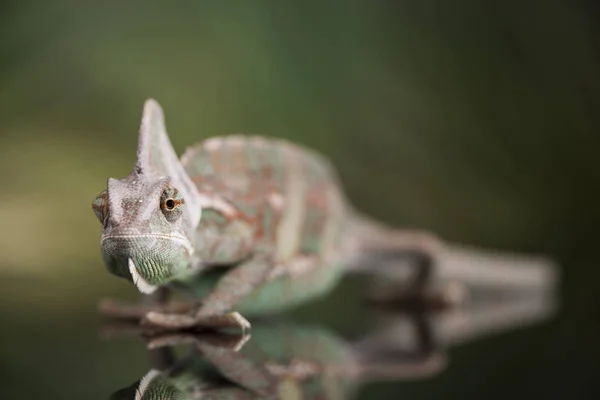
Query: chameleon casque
[[248, 224]]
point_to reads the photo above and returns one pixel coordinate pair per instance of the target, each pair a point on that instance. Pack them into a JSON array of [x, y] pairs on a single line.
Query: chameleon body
[[246, 223], [282, 201]]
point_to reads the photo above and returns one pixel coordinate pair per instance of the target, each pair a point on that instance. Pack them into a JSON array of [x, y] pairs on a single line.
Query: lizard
[[249, 224]]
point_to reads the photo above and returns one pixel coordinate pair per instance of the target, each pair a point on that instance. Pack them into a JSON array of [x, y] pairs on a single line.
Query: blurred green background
[[477, 120]]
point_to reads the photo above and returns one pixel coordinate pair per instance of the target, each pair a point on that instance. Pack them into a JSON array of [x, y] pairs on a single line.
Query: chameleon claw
[[242, 322], [243, 339]]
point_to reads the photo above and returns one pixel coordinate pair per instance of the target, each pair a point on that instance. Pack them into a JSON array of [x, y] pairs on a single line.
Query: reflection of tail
[[486, 317], [389, 369], [405, 345], [397, 254], [400, 355]]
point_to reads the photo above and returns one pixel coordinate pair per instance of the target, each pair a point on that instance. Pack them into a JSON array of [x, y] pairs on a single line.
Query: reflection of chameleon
[[249, 224], [292, 361], [279, 362]]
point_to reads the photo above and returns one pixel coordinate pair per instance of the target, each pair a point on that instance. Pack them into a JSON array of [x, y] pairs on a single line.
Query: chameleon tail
[[397, 255]]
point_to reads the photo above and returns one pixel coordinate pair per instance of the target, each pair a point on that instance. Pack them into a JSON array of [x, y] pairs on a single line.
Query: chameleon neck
[[221, 239]]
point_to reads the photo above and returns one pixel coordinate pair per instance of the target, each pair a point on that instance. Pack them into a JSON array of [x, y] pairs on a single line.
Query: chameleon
[[248, 224]]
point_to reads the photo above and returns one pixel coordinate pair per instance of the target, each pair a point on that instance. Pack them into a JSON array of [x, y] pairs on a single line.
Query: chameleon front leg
[[118, 310], [157, 301], [216, 309]]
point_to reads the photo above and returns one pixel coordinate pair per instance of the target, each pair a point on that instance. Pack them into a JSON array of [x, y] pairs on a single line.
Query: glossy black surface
[[476, 120]]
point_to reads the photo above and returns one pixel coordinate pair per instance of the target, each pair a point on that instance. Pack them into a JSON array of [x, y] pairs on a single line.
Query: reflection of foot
[[173, 321], [113, 309], [157, 339], [121, 328], [220, 340], [424, 368]]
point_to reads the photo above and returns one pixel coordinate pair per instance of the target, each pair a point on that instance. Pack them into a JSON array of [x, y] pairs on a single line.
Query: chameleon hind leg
[[216, 309], [405, 264]]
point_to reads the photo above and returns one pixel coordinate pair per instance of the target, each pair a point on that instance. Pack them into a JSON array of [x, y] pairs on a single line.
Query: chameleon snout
[[146, 260]]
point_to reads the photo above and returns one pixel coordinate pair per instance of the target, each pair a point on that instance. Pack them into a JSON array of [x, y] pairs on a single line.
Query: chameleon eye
[[100, 206], [170, 202]]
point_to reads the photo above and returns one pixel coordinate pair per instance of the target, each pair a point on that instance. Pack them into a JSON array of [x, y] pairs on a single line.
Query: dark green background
[[478, 120]]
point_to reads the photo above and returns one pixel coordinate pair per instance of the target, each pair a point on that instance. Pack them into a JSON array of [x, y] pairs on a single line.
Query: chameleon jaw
[[139, 281], [145, 382]]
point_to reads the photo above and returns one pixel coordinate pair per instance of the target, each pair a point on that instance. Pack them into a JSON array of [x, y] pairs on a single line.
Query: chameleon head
[[144, 236]]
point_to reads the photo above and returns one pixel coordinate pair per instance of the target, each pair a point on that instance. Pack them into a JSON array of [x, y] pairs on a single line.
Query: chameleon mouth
[[139, 281], [175, 238]]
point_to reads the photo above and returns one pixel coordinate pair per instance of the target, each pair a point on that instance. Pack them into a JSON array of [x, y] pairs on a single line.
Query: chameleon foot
[[168, 321]]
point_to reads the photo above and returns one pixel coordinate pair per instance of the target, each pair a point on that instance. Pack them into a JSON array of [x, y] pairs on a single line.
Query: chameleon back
[[292, 198]]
